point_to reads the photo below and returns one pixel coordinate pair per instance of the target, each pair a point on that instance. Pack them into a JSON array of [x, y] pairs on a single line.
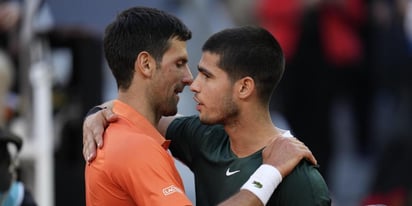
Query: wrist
[[94, 110], [263, 182]]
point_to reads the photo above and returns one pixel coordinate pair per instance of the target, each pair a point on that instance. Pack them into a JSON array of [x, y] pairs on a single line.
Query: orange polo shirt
[[133, 168]]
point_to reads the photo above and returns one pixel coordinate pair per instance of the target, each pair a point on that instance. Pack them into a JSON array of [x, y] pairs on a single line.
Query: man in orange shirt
[[146, 51]]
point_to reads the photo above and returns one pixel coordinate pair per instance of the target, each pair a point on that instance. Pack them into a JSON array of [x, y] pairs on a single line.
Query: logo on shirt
[[171, 189], [229, 173]]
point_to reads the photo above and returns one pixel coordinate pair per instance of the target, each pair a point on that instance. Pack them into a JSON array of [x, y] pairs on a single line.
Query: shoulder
[[124, 147], [312, 187], [307, 173], [136, 157]]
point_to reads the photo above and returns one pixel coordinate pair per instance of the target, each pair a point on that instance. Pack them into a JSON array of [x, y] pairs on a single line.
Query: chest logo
[[229, 173]]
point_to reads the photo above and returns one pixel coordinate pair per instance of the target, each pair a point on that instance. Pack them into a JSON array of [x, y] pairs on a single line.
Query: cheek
[[168, 78], [173, 75], [218, 96]]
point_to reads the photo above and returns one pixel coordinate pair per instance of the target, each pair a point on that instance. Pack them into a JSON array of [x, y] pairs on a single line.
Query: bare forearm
[[242, 198]]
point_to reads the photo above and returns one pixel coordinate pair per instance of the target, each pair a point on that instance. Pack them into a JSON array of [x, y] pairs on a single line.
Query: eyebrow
[[204, 71]]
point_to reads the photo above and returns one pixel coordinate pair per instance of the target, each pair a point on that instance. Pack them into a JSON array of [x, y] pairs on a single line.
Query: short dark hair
[[135, 30], [249, 51]]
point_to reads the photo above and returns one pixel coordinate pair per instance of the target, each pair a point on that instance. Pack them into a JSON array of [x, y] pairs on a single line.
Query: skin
[[167, 79], [282, 153], [213, 80], [233, 104]]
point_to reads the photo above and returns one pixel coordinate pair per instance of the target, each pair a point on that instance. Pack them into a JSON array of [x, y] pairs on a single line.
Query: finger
[[97, 135], [311, 158], [90, 151], [308, 155], [296, 141], [109, 116], [89, 145], [86, 133], [98, 139], [85, 154]]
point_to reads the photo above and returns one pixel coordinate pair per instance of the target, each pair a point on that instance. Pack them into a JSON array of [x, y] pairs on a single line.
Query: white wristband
[[263, 182]]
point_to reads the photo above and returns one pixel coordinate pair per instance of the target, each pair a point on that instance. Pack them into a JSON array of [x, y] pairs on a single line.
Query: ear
[[245, 87], [145, 64]]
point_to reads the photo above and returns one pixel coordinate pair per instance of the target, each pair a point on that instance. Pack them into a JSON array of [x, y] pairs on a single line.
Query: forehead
[[209, 62], [177, 50]]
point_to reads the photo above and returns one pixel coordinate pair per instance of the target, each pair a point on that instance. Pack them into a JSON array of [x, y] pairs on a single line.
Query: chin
[[170, 112], [206, 120]]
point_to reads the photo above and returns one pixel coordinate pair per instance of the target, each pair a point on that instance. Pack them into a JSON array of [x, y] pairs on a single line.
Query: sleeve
[[148, 174], [304, 186]]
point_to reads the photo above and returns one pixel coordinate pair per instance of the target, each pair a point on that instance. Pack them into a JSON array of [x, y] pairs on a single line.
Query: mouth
[[199, 104], [177, 91]]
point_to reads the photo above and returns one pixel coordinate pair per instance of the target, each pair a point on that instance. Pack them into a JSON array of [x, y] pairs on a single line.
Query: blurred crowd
[[346, 91]]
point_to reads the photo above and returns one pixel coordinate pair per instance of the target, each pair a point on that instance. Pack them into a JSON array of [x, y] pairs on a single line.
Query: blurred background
[[346, 91]]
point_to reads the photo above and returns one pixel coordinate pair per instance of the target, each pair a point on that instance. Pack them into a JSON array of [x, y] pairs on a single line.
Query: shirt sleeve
[[304, 186]]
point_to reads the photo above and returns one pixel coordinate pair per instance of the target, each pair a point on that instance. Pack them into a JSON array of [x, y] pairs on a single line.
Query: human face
[[171, 76], [213, 92]]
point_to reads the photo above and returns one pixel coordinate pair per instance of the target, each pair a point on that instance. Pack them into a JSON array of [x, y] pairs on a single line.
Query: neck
[[141, 105], [250, 133]]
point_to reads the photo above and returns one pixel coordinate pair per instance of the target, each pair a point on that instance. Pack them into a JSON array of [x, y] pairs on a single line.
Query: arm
[[282, 153], [243, 198], [93, 128], [96, 122], [164, 124]]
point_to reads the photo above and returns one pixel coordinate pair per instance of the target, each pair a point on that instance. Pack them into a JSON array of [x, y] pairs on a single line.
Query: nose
[[194, 87], [188, 77]]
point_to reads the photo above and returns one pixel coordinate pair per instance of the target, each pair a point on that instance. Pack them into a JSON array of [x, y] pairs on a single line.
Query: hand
[[93, 128], [285, 153]]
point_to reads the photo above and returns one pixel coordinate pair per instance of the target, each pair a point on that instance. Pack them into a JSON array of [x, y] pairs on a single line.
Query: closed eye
[[181, 63], [204, 72]]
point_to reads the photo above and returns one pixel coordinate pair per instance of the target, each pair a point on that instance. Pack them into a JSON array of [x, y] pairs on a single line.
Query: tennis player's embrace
[[238, 156]]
